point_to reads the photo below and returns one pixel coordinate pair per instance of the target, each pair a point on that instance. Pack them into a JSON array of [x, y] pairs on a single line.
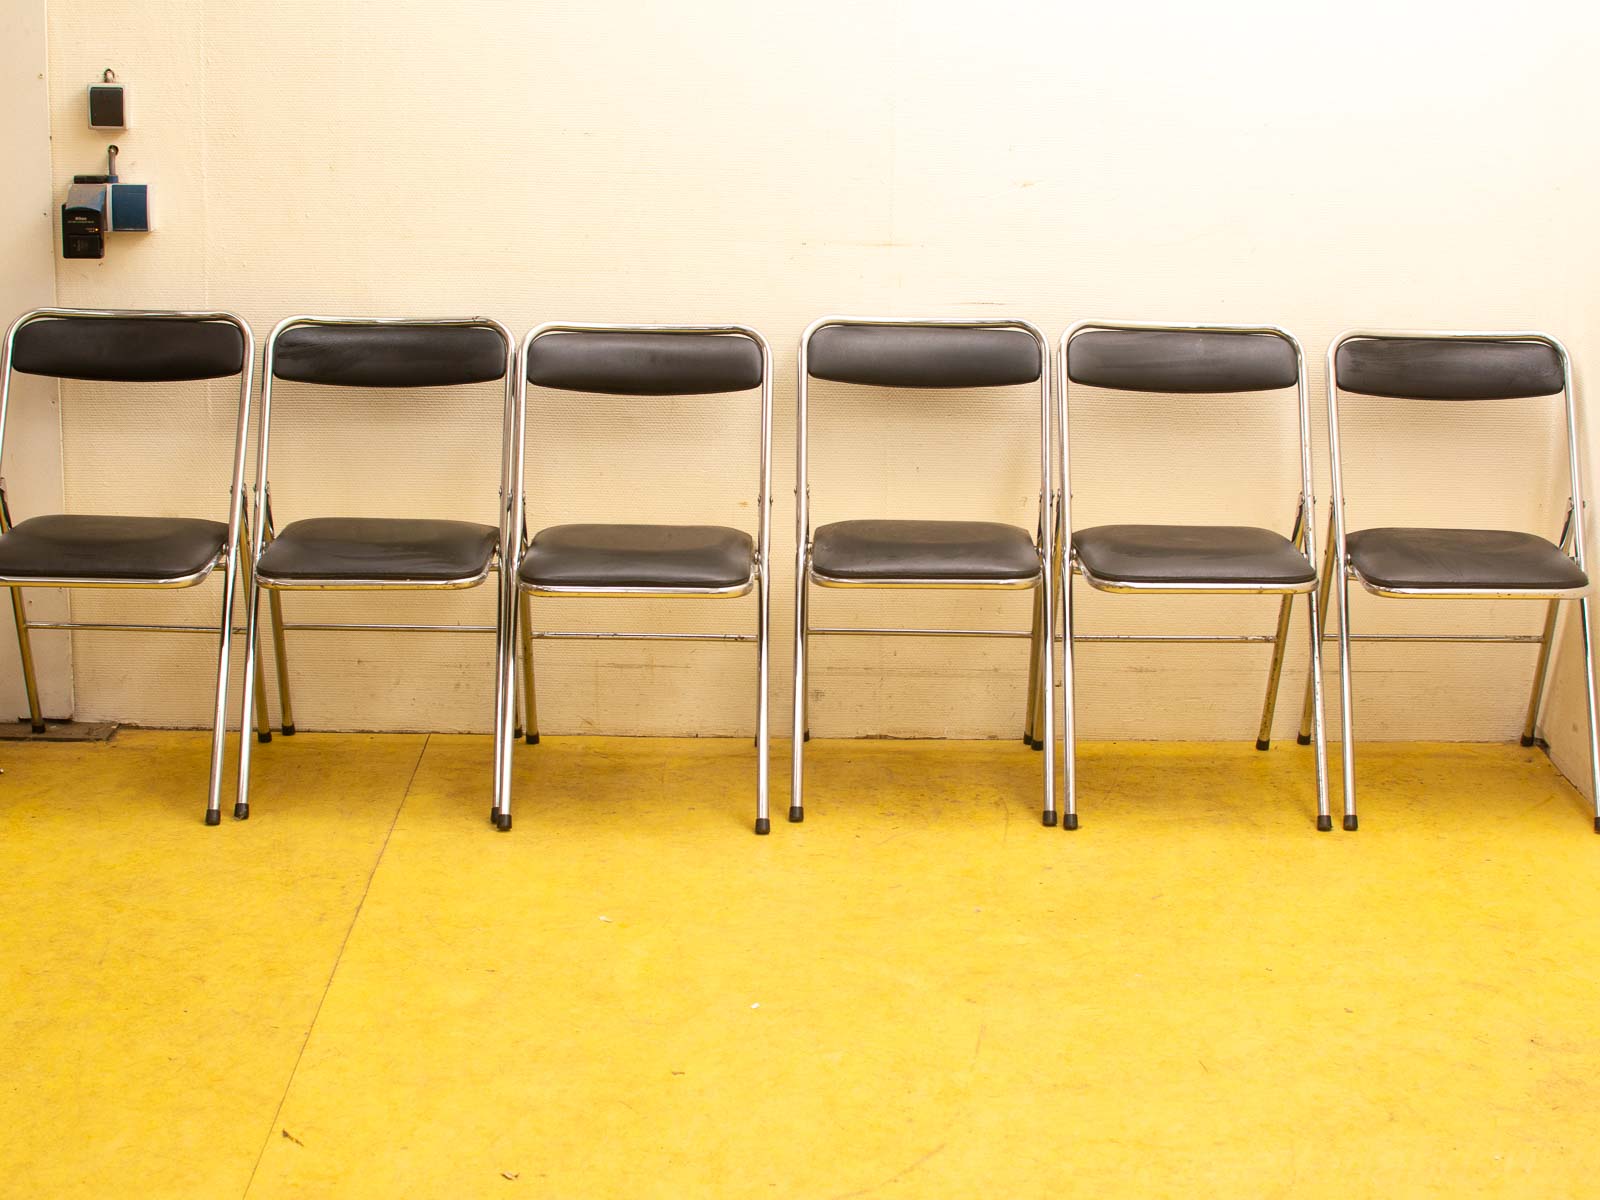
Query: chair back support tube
[[923, 356], [1192, 362], [1424, 368], [389, 356], [128, 349], [644, 363]]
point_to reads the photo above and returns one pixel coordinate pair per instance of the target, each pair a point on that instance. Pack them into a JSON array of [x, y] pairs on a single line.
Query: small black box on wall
[[108, 106], [83, 222]]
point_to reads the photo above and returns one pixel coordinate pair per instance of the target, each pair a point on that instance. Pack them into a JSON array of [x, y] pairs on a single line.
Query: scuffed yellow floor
[[920, 992]]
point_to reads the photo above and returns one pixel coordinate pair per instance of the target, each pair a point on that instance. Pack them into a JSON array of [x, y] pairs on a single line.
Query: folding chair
[[676, 561], [981, 555], [1475, 564], [79, 551], [378, 554], [1191, 359]]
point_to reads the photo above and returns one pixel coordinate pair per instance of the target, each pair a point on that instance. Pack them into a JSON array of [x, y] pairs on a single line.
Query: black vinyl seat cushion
[[663, 557], [70, 546], [1486, 559], [384, 550], [1192, 555], [889, 551]]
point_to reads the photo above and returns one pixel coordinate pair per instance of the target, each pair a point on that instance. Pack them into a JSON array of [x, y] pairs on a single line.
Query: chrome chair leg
[[504, 702], [1347, 747], [25, 650], [1539, 672], [805, 701], [280, 652], [513, 708], [1275, 672], [1324, 583], [252, 654], [802, 733], [263, 716], [1588, 679], [1047, 719], [763, 630], [508, 696], [516, 687], [1069, 725], [530, 700], [219, 726], [261, 719], [1319, 723], [1031, 721]]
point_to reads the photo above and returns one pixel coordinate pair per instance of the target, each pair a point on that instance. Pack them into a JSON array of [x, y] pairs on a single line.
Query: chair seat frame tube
[[1039, 724], [1301, 535]]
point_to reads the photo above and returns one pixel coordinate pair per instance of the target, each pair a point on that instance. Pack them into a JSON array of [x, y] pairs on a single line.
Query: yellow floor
[[920, 992]]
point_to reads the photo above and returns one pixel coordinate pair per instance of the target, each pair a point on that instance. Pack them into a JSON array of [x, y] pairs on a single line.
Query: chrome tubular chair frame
[[1301, 535], [265, 532], [520, 592], [1338, 566], [1039, 725], [227, 560]]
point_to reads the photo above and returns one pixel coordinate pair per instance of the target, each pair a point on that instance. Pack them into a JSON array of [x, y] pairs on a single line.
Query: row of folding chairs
[[336, 553]]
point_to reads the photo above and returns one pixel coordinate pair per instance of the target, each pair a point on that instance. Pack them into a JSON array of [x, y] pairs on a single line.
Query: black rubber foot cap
[[37, 728], [1302, 739], [1038, 744], [763, 825], [807, 737], [1528, 741], [516, 733], [1070, 821], [1597, 824], [213, 816], [288, 731], [1263, 744], [263, 735], [797, 814], [494, 816], [1351, 824], [1049, 819], [532, 739], [1324, 824], [241, 812], [503, 822]]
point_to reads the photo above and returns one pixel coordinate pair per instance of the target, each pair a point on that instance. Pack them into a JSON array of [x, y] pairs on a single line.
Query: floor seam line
[[338, 958]]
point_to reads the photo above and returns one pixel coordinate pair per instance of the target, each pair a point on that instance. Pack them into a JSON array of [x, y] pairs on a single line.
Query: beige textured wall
[[1317, 165], [33, 429]]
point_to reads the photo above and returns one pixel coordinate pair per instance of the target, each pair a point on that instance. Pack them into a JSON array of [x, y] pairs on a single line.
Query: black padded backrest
[[1448, 368], [389, 356], [1195, 362], [923, 356], [644, 363], [128, 349]]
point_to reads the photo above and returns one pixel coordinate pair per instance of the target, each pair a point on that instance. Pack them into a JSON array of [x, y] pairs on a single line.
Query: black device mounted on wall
[[108, 102], [83, 219]]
